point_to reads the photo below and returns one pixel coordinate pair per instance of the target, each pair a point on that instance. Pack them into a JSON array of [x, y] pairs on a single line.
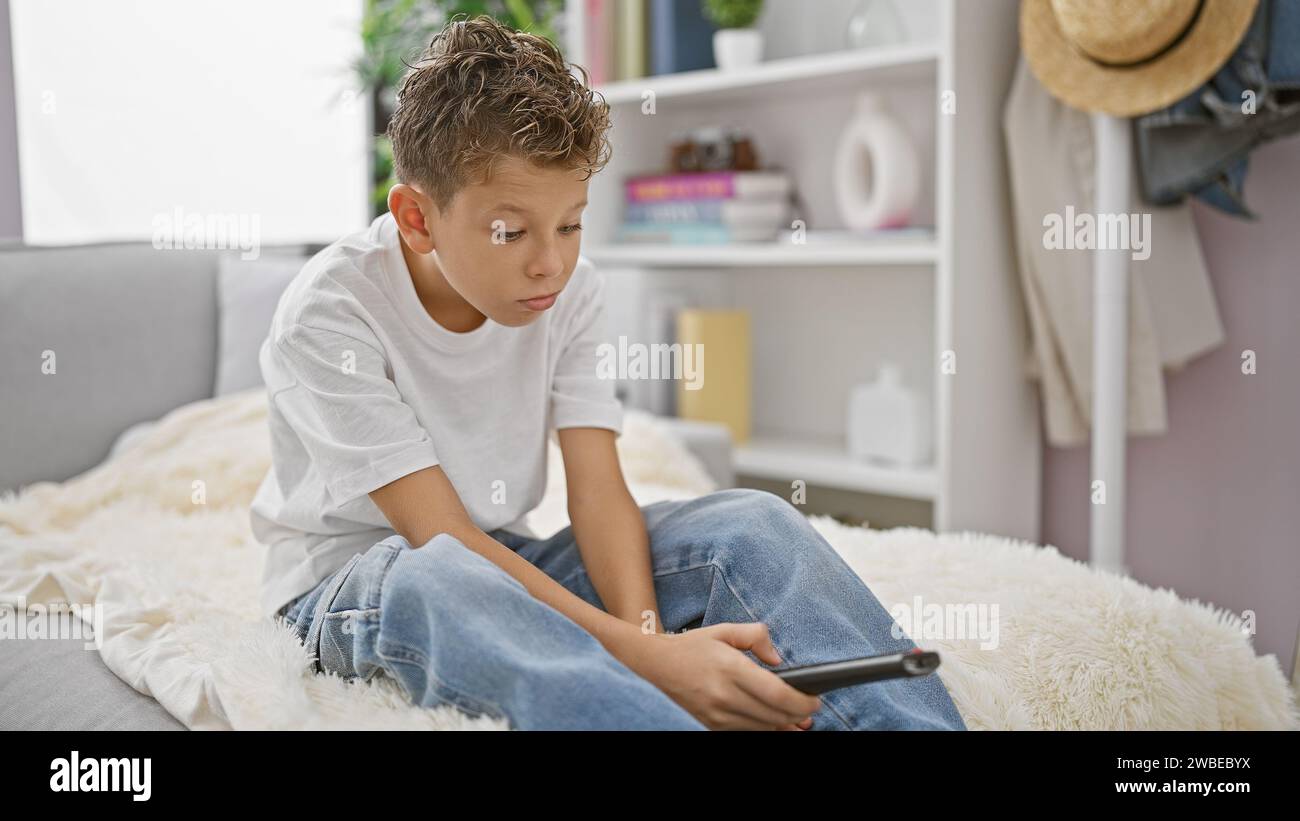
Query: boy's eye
[[511, 236]]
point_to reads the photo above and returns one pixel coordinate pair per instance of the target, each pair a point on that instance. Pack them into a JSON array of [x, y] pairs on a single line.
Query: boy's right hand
[[706, 671]]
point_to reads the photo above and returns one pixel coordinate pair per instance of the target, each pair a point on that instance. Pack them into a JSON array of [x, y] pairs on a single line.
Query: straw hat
[[1129, 57]]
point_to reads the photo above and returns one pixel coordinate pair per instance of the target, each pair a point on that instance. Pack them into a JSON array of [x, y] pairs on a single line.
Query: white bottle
[[887, 422]]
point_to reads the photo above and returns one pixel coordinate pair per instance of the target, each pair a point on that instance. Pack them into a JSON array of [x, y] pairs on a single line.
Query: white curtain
[[136, 114]]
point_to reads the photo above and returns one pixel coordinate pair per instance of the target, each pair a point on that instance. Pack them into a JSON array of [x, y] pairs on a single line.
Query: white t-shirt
[[364, 387]]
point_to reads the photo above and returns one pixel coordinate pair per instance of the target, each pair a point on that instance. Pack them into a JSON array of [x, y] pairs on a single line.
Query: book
[[715, 221], [720, 389], [674, 211], [706, 185], [693, 233], [632, 31], [681, 38], [598, 40], [734, 212]]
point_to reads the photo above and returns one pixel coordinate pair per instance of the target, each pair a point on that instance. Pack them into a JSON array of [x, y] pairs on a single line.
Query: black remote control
[[818, 678]]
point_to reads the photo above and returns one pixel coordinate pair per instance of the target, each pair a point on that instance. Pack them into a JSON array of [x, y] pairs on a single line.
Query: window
[[141, 115]]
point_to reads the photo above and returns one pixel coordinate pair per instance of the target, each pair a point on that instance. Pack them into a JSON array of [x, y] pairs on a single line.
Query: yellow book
[[721, 391], [630, 23]]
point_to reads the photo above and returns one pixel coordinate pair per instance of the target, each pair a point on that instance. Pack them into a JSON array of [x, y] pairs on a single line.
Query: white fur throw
[[178, 583]]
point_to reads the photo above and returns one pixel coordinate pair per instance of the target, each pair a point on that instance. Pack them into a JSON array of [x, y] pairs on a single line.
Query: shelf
[[798, 75], [827, 463], [862, 299], [912, 249]]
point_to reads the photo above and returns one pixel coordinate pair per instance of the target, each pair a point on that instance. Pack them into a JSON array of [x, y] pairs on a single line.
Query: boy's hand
[[706, 671]]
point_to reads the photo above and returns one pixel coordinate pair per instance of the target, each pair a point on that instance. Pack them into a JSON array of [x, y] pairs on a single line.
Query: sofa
[[99, 341]]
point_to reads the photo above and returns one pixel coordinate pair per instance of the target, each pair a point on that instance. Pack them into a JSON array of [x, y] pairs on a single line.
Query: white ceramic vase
[[876, 171]]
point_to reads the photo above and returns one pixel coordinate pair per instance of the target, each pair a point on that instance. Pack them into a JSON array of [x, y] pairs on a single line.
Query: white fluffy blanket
[[178, 583]]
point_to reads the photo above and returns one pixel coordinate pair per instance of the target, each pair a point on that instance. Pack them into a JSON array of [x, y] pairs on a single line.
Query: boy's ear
[[409, 207]]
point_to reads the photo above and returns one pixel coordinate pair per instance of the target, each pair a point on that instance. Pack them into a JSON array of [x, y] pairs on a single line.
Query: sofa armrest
[[710, 442]]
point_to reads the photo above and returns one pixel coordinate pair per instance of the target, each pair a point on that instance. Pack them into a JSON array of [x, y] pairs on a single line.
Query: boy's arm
[[609, 527], [422, 504]]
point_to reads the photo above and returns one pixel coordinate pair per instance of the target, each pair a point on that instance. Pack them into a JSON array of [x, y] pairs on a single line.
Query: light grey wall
[[11, 212], [794, 28], [1214, 504]]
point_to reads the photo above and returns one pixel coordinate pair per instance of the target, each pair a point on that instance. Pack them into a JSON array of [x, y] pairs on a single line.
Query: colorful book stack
[[628, 39], [709, 208]]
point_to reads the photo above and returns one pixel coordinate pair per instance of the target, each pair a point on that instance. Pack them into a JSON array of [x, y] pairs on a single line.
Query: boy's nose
[[548, 264]]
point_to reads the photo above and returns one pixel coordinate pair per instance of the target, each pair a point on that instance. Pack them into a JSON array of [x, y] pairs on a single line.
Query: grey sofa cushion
[[131, 331], [57, 684], [710, 442], [248, 292]]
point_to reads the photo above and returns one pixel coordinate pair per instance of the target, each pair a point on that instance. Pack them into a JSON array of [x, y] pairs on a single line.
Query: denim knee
[[755, 513], [759, 534], [441, 577], [439, 602]]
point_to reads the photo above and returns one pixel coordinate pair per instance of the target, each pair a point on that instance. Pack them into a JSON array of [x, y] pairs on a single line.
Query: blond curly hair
[[482, 90]]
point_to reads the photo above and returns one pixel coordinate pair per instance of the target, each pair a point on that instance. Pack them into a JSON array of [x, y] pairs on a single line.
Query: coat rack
[[1109, 350]]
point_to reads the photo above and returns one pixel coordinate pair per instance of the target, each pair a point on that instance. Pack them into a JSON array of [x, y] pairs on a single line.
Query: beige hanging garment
[[1172, 312]]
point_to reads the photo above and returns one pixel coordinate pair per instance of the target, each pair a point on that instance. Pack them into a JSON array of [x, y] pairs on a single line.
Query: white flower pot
[[737, 48]]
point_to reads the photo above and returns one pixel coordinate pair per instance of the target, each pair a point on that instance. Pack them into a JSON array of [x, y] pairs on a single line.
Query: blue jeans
[[454, 628]]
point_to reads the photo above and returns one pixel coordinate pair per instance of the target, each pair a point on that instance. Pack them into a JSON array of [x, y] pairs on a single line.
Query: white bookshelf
[[825, 314], [794, 75], [920, 251], [825, 462]]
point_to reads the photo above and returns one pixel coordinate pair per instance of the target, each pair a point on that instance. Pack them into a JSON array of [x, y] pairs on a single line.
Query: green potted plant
[[736, 43]]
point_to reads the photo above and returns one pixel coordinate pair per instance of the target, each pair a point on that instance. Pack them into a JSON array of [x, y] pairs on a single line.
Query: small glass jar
[[874, 23]]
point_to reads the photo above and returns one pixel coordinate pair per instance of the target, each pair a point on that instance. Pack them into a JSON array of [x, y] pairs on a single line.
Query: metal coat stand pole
[[1113, 141]]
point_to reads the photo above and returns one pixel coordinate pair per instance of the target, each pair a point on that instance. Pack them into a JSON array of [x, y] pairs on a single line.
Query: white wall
[[794, 28], [128, 110]]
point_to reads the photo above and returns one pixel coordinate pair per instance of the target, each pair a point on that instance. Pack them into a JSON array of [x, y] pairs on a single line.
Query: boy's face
[[503, 243]]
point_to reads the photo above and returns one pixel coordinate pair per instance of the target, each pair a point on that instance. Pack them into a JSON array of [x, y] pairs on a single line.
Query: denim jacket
[[1200, 144]]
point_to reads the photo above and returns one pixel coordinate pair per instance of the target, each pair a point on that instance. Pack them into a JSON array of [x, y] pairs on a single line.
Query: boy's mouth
[[539, 303]]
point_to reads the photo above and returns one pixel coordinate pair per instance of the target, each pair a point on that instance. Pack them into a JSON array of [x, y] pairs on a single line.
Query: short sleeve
[[582, 393], [347, 412]]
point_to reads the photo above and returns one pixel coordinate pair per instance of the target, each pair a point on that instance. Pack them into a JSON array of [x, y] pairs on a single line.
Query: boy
[[414, 371]]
